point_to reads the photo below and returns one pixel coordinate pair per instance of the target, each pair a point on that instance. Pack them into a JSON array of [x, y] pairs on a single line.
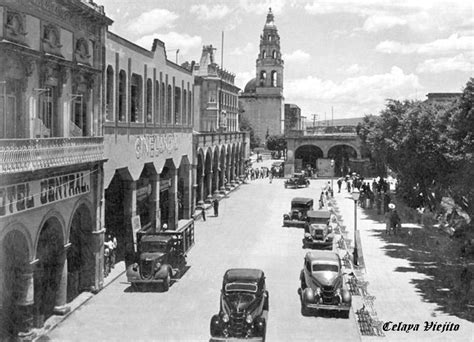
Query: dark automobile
[[243, 306], [297, 216], [161, 257], [318, 232], [299, 180], [322, 284]]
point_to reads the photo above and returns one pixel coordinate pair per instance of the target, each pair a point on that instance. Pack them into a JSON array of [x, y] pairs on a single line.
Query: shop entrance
[[48, 270], [80, 256], [115, 215]]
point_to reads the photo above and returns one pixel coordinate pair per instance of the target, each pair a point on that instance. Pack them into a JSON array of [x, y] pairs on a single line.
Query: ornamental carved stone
[[15, 27]]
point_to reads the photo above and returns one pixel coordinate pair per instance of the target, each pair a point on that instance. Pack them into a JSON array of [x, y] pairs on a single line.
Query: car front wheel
[[166, 282]]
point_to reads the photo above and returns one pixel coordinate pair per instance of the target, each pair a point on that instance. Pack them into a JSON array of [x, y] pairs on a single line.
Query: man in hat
[[392, 220]]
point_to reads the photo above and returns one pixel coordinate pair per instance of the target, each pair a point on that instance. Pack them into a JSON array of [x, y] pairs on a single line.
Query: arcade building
[[220, 149], [148, 135], [51, 158]]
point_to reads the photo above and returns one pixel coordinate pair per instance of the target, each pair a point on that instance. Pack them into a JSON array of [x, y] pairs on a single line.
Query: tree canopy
[[246, 126], [429, 146], [276, 143]]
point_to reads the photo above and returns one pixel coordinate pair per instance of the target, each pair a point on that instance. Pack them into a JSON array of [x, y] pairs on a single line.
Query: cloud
[[297, 56], [381, 22], [247, 50], [152, 21], [447, 45], [420, 15], [460, 62], [352, 69], [172, 40], [204, 12], [261, 7], [360, 90]]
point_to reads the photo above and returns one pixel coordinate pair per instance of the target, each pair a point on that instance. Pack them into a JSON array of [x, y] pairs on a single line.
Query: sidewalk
[[81, 299], [393, 281]]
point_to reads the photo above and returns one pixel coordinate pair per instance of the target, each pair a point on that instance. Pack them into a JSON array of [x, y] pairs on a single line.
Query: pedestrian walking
[[339, 184], [203, 213], [270, 176], [216, 207]]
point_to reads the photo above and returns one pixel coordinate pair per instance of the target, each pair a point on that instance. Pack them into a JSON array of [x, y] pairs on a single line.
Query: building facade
[[293, 118], [220, 148], [148, 134], [51, 158], [262, 98]]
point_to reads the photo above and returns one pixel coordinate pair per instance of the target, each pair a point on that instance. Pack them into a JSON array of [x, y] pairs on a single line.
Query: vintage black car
[[161, 257], [243, 306], [297, 216], [323, 286], [318, 231], [299, 180]]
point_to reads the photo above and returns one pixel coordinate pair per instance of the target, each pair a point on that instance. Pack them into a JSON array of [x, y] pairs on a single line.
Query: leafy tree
[[246, 126], [276, 143]]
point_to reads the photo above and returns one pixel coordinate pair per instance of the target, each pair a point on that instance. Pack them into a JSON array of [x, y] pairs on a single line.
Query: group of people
[[263, 172], [215, 205], [373, 194], [110, 251]]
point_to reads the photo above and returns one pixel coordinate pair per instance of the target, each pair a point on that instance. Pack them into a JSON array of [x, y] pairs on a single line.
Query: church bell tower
[[269, 62]]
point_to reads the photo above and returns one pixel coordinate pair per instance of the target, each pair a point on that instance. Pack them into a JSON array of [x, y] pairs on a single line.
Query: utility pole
[[315, 116]]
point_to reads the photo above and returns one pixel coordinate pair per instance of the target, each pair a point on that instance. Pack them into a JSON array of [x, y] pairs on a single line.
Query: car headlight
[[225, 318], [318, 291], [248, 319]]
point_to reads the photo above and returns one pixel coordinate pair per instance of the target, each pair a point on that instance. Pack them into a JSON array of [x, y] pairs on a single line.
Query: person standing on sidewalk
[[216, 207], [203, 213]]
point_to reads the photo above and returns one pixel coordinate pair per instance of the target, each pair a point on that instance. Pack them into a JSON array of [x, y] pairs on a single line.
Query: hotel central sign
[[34, 194]]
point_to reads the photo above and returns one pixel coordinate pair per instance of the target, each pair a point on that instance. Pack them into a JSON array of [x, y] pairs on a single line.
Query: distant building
[[218, 110], [442, 98], [220, 149], [262, 98], [293, 118]]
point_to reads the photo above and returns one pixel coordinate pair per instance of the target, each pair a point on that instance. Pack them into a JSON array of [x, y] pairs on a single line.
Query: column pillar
[[155, 203], [60, 307], [187, 200], [209, 184], [130, 210], [201, 186], [173, 199], [23, 313]]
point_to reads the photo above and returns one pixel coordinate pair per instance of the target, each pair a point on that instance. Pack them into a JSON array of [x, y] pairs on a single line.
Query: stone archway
[[80, 256], [307, 155], [48, 274], [342, 154], [16, 279]]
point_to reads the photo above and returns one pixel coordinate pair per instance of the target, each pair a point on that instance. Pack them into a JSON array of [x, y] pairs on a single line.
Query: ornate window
[[157, 102], [264, 54], [15, 27], [177, 105], [109, 96], [184, 116], [274, 54], [136, 99], [263, 77], [162, 102], [122, 100], [190, 102], [149, 101], [169, 103]]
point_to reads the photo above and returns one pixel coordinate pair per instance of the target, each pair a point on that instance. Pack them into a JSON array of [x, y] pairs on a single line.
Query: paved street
[[247, 233]]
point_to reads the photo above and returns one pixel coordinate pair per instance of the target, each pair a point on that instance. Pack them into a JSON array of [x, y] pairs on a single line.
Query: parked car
[[299, 180], [297, 215], [243, 309], [318, 231], [161, 257], [323, 286]]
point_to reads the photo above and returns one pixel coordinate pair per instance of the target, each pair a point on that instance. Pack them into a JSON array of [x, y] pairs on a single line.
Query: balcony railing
[[21, 155]]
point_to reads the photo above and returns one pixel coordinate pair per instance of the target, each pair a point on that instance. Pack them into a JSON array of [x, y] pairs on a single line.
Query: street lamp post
[[355, 197], [332, 177]]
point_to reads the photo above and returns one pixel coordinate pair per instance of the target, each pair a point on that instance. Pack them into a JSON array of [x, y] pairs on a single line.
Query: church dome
[[251, 86]]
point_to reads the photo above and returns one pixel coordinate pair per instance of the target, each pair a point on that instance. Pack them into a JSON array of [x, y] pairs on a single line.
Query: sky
[[343, 58]]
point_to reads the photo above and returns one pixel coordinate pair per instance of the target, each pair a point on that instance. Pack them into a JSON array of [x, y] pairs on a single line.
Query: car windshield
[[236, 298], [325, 268], [241, 287], [299, 206], [153, 246]]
